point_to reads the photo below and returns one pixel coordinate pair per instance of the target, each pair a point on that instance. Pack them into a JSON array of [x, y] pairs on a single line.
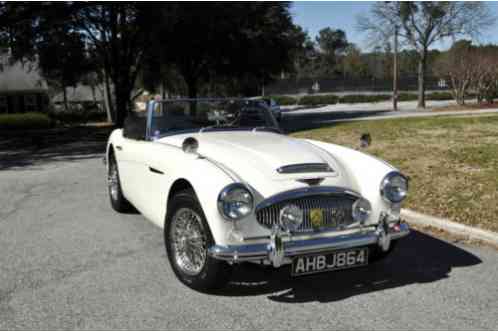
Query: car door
[[150, 175], [132, 170]]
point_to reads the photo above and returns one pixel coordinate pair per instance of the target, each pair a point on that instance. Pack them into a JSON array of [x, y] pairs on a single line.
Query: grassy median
[[452, 162]]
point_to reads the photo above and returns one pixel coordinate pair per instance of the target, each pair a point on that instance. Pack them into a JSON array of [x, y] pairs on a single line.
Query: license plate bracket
[[329, 261]]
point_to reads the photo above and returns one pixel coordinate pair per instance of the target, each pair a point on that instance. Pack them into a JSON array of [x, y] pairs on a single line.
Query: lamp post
[[395, 70]]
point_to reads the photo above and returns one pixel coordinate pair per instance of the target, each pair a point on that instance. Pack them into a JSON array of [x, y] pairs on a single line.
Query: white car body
[[150, 170]]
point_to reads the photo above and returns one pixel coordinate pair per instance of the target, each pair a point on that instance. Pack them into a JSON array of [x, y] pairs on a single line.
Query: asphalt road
[[67, 261], [302, 118]]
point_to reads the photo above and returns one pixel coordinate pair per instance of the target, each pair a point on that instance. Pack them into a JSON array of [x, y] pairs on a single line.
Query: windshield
[[190, 115]]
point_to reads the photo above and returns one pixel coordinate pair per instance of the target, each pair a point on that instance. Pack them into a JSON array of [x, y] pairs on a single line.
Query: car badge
[[316, 218]]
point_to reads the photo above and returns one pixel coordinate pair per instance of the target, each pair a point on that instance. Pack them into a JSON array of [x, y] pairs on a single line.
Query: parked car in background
[[228, 187]]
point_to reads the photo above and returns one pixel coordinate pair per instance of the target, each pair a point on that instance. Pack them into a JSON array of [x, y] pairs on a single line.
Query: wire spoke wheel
[[188, 241]]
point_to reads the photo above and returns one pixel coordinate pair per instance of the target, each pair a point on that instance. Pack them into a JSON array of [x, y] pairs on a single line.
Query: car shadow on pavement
[[31, 149], [419, 258]]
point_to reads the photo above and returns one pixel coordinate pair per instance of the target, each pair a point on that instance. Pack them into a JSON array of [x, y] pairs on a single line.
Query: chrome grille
[[336, 211]]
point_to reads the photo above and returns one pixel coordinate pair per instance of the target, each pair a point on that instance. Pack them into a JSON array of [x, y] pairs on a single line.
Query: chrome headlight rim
[[386, 181], [222, 200]]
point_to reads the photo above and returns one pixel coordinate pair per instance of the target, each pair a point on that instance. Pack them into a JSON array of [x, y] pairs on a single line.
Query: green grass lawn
[[452, 162]]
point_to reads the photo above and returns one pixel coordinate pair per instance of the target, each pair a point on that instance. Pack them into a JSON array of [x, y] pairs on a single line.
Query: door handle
[[153, 170], [119, 147]]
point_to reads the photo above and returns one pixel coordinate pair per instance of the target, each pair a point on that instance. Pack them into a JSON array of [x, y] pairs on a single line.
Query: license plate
[[336, 260]]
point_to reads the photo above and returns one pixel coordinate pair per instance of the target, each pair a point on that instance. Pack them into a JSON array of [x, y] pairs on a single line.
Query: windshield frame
[[151, 105]]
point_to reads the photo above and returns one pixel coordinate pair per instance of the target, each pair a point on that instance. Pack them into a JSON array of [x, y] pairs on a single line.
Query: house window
[[30, 103], [4, 105]]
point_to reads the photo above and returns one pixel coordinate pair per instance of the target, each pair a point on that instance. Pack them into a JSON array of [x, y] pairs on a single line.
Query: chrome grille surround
[[335, 202]]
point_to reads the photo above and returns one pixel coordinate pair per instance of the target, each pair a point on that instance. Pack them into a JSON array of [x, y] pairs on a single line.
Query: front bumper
[[281, 247]]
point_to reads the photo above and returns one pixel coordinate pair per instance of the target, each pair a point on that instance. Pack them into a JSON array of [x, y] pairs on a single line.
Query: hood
[[256, 156]]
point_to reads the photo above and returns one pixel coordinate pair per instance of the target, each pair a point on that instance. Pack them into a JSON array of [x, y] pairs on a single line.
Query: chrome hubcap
[[113, 182], [188, 241]]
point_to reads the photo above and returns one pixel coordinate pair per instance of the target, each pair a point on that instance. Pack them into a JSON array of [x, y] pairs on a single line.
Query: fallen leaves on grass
[[452, 162]]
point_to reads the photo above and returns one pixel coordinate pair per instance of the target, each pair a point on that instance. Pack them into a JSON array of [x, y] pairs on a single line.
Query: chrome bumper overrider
[[281, 246]]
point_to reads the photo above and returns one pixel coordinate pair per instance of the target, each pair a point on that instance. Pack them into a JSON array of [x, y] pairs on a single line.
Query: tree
[[214, 41], [458, 66], [331, 43], [62, 60], [422, 24], [469, 67], [353, 64], [116, 35], [305, 56]]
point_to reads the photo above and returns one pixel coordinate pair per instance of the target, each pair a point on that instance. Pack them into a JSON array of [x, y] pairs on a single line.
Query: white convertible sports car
[[227, 187]]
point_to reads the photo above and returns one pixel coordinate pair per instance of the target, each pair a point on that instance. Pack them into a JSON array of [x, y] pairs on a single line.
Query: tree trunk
[[192, 94], [64, 96], [122, 103], [421, 79], [108, 98]]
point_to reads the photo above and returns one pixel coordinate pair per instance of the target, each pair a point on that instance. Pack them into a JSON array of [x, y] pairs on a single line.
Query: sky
[[314, 16]]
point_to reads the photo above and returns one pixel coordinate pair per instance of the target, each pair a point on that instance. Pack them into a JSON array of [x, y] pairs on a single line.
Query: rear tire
[[187, 238], [118, 202]]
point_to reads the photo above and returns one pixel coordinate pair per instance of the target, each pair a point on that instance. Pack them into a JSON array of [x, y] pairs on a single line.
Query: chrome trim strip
[[305, 192], [305, 168]]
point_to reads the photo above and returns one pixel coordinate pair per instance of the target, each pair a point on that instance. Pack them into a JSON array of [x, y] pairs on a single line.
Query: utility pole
[[395, 70]]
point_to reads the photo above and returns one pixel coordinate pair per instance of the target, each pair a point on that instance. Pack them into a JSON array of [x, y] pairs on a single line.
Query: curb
[[449, 226]]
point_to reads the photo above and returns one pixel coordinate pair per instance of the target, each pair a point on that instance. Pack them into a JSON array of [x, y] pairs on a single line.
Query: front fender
[[116, 136], [365, 171], [207, 181]]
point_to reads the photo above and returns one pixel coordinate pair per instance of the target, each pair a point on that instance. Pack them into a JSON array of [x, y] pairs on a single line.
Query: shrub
[[284, 100], [76, 116], [353, 99], [439, 96], [318, 100], [19, 121], [407, 97], [429, 96]]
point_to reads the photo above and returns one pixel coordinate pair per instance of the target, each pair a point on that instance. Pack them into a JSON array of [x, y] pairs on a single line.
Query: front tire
[[187, 238]]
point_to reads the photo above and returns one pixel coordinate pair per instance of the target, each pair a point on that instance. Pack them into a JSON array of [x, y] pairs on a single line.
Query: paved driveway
[[67, 261], [295, 118]]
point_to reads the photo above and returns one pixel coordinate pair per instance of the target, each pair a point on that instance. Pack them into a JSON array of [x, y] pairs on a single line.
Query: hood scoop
[[311, 182], [305, 168]]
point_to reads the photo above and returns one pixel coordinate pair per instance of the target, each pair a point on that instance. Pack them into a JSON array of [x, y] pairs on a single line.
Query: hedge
[[318, 100], [353, 99], [77, 116], [19, 121], [439, 96], [314, 100], [284, 100]]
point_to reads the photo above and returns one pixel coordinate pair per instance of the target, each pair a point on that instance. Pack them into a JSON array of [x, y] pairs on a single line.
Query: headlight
[[361, 210], [235, 201], [394, 187]]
